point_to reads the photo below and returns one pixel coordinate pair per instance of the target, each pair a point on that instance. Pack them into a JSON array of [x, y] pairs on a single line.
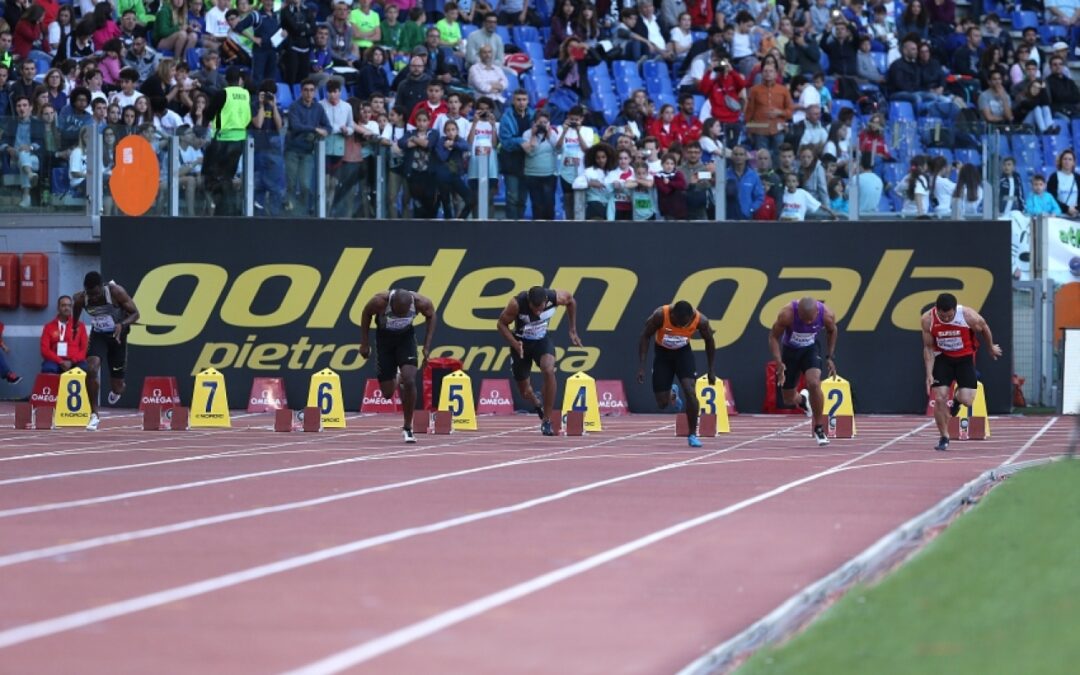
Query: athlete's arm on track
[[506, 319], [783, 320], [707, 333], [928, 351], [565, 299], [979, 325], [652, 324], [427, 308], [376, 305]]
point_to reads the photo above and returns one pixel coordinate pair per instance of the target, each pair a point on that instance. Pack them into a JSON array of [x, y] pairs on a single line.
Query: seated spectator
[[587, 25], [1040, 202], [682, 38], [663, 128], [992, 62], [217, 25], [744, 190], [449, 28], [485, 36], [627, 45], [1032, 107], [140, 57], [64, 344], [648, 27], [488, 79], [517, 13], [914, 21], [563, 21], [1064, 184], [172, 31], [23, 138], [995, 105], [916, 78], [1064, 93], [965, 60], [371, 76], [866, 69]]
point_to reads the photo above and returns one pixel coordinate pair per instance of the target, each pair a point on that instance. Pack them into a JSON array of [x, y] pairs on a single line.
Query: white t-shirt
[[943, 191], [571, 160], [77, 163], [123, 100], [168, 122], [922, 188], [794, 205], [809, 96], [1067, 189], [190, 155], [463, 126], [969, 209], [683, 41], [740, 45], [216, 24]]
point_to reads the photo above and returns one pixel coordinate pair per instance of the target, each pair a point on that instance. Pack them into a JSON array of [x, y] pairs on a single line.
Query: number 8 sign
[[72, 401]]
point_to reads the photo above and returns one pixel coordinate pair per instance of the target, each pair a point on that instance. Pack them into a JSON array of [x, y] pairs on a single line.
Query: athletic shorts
[[960, 370], [798, 360], [393, 350], [670, 365], [112, 353], [534, 351]]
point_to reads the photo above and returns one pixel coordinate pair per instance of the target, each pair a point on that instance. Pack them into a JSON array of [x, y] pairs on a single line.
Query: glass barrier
[[48, 166]]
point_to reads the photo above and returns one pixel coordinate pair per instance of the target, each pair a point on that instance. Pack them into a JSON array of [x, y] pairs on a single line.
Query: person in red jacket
[[724, 86], [687, 126], [663, 127], [64, 344]]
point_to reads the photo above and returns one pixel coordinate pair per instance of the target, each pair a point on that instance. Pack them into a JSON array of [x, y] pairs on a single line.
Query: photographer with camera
[[574, 140], [540, 156], [267, 124], [725, 88]]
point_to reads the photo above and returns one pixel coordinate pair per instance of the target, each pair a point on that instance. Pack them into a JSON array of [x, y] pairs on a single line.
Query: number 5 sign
[[324, 393], [456, 396], [72, 401]]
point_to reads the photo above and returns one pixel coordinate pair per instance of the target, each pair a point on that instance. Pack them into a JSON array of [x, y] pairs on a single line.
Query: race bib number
[[950, 344], [674, 341], [534, 331], [103, 324], [801, 339]]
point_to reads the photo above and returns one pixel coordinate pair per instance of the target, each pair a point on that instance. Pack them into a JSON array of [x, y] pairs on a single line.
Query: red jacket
[[701, 13], [716, 88], [26, 34], [689, 129], [434, 113], [76, 338], [666, 138]]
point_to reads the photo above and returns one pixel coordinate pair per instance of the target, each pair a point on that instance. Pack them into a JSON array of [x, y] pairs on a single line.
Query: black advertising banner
[[283, 298]]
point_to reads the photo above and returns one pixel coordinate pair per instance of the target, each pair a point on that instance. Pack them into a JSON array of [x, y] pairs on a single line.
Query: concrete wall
[[73, 250]]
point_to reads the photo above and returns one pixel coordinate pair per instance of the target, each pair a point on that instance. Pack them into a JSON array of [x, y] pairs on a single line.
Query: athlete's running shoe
[[545, 428], [693, 441], [954, 409], [94, 422], [676, 398], [539, 410], [819, 435], [942, 444], [804, 402], [408, 435], [114, 398]]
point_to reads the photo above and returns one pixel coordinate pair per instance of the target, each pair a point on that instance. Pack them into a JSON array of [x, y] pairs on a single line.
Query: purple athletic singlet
[[800, 334]]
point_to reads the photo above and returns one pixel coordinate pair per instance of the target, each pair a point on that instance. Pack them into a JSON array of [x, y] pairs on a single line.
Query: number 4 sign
[[456, 396], [72, 402], [324, 393]]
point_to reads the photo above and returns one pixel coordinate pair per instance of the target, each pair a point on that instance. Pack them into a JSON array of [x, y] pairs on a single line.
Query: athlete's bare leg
[[941, 410], [692, 408], [817, 399], [527, 393], [547, 368], [407, 387]]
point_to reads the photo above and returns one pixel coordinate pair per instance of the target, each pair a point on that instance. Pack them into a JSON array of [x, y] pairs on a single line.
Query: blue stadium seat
[[626, 78], [941, 152], [886, 203], [513, 83], [969, 157], [881, 60], [599, 76], [901, 111], [284, 96], [542, 81], [544, 9], [1052, 33], [504, 33], [1022, 20], [467, 29], [699, 101], [824, 61], [523, 34], [535, 50], [839, 104], [1054, 145], [1027, 150]]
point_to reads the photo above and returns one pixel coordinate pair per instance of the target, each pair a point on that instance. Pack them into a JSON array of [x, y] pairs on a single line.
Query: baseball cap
[[1058, 46]]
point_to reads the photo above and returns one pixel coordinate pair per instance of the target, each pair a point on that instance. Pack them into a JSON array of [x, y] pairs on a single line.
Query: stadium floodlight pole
[[249, 175], [174, 176], [380, 183], [992, 173], [320, 177], [482, 188], [97, 171], [720, 187]]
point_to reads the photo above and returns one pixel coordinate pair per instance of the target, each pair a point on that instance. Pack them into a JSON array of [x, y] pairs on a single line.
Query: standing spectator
[[1064, 184], [483, 134], [869, 184], [967, 197], [539, 169], [264, 53], [267, 124], [599, 161], [307, 124], [620, 182], [745, 193], [371, 78], [1040, 202], [1010, 188], [671, 189], [941, 187], [796, 202], [433, 104], [915, 189], [449, 161], [230, 111], [339, 114], [769, 107], [295, 60], [724, 87], [485, 36], [804, 54], [396, 130], [517, 119], [804, 95], [574, 141], [642, 195], [390, 30], [812, 175], [418, 146], [414, 85], [700, 179]]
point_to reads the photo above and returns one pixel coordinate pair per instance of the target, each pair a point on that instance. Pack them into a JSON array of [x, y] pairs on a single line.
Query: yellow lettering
[[209, 356], [843, 285], [303, 282], [487, 352], [468, 296], [749, 287], [316, 352], [339, 288], [448, 352], [619, 286], [260, 354], [577, 359], [338, 360], [879, 291], [975, 285], [209, 283]]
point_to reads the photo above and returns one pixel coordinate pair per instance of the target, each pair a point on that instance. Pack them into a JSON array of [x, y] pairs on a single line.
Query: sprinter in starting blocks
[[949, 348]]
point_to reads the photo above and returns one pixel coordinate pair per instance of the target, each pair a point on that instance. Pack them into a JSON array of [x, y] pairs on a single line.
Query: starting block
[[24, 415], [968, 428], [178, 420], [442, 421], [706, 426], [841, 426], [151, 417], [283, 420], [421, 422], [556, 422], [575, 423], [312, 419], [43, 418]]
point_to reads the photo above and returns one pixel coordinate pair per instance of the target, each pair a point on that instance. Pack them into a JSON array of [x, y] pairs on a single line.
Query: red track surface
[[387, 561]]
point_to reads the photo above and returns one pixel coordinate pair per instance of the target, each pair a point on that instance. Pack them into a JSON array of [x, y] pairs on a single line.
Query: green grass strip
[[997, 592]]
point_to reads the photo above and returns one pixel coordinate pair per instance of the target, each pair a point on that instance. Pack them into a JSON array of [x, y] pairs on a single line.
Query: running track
[[498, 551]]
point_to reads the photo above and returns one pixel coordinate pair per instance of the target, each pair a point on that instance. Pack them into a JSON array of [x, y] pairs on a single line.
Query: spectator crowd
[[643, 109]]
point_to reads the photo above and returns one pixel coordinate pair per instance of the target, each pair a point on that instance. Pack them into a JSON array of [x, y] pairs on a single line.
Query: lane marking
[[1031, 441], [79, 619], [370, 649]]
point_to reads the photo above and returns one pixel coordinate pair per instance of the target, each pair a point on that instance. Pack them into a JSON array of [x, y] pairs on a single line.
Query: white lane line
[[94, 615], [1031, 441], [183, 526], [255, 450], [366, 651], [92, 501]]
